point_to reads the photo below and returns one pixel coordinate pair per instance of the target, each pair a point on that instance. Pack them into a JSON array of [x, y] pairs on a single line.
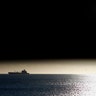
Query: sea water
[[47, 85]]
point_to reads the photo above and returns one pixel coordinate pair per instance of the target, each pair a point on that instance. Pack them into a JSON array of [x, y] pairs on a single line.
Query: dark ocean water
[[47, 85]]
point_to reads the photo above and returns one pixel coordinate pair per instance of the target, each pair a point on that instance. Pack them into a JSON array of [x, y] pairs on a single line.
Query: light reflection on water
[[84, 86]]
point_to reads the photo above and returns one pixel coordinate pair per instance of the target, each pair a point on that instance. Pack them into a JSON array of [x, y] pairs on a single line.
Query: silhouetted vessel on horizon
[[22, 72]]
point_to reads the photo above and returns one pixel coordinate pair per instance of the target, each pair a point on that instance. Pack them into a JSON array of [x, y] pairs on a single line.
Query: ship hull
[[17, 73]]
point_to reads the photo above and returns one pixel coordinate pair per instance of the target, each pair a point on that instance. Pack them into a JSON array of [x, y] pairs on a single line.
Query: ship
[[22, 72]]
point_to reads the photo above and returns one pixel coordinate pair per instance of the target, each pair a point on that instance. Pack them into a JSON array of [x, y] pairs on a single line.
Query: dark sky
[[42, 54], [40, 32]]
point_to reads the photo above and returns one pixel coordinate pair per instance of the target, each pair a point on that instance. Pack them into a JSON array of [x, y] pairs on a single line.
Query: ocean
[[47, 85]]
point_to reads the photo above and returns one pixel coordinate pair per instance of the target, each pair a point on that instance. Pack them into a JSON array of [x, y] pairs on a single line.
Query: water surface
[[47, 85]]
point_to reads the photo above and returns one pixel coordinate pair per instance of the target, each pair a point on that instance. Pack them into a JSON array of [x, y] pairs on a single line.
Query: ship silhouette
[[22, 72]]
